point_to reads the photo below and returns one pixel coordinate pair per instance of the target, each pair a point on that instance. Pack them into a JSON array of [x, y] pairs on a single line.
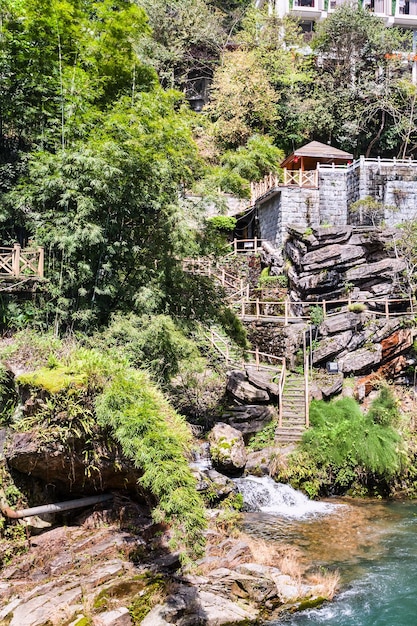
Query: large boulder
[[334, 254], [331, 347], [67, 466], [360, 361], [249, 418], [343, 321], [227, 449], [239, 387], [383, 268], [189, 606]]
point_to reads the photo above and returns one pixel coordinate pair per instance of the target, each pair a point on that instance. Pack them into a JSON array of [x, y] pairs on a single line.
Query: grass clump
[[346, 449], [356, 307]]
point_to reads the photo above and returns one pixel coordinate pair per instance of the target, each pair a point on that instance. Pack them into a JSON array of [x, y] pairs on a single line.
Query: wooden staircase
[[293, 410]]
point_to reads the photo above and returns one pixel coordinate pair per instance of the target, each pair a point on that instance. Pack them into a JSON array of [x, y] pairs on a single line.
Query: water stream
[[372, 544]]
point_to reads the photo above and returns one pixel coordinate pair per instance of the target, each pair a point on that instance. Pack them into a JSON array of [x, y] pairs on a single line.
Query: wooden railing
[[244, 246], [261, 361], [300, 178], [21, 263], [260, 188], [282, 310]]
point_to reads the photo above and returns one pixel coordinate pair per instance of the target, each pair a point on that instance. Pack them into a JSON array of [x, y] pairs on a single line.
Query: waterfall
[[264, 494], [201, 458]]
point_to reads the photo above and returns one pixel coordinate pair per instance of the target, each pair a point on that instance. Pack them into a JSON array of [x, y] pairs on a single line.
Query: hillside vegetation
[[98, 148]]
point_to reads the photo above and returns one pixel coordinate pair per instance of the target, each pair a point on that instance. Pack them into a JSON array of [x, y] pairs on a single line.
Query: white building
[[394, 12]]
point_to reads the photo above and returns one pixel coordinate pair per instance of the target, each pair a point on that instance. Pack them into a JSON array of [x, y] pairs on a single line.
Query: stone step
[[293, 418]]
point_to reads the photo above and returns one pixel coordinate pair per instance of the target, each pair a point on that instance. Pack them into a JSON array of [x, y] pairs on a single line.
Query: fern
[[157, 440]]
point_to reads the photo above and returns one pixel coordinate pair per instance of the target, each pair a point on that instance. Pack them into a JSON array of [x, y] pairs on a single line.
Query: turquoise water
[[374, 548]]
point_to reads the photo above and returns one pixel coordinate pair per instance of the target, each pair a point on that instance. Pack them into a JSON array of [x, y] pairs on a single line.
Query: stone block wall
[[301, 205], [333, 197], [390, 183], [288, 205], [404, 197], [270, 220]]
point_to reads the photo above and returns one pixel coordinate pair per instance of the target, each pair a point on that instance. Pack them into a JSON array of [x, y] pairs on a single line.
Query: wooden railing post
[[243, 308], [323, 304], [235, 246], [386, 308], [255, 245], [286, 312], [257, 356], [306, 389], [16, 260], [41, 262], [257, 308]]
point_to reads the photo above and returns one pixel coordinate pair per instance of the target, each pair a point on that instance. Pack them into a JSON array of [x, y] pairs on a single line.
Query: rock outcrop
[[361, 343], [331, 263]]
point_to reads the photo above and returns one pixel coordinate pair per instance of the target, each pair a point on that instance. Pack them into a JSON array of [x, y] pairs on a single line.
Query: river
[[372, 544]]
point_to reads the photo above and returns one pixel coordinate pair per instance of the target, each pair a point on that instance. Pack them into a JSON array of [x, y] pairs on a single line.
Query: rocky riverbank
[[113, 568]]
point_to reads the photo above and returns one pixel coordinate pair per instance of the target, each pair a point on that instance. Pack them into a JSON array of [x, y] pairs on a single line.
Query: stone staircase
[[293, 410]]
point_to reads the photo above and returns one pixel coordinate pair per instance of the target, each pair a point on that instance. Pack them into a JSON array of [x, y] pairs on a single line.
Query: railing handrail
[[21, 262], [288, 315], [257, 353], [281, 385]]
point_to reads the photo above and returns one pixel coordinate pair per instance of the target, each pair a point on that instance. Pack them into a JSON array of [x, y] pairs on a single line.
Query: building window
[[375, 6], [304, 3]]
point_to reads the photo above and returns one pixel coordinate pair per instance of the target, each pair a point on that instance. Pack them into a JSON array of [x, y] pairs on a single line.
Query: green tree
[[186, 41], [106, 209], [242, 99], [356, 76]]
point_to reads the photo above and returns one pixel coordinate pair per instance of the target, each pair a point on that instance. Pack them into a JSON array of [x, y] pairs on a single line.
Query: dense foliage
[[94, 400], [347, 450]]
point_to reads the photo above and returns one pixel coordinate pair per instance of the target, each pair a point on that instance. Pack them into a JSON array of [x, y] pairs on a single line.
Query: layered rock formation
[[335, 263], [361, 343]]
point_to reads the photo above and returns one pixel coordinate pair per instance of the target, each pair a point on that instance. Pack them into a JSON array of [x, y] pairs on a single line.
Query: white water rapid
[[264, 494]]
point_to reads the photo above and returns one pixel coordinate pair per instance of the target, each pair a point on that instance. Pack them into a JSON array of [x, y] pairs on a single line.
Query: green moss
[[52, 380], [155, 586], [118, 590], [311, 603]]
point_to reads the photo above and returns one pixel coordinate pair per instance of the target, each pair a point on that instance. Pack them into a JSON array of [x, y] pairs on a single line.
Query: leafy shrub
[[153, 343], [222, 223], [266, 280], [345, 448], [316, 315], [157, 440], [264, 437], [384, 409], [233, 327]]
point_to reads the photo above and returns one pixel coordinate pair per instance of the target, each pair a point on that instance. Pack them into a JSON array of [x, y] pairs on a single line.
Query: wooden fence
[[291, 178], [283, 310], [21, 263], [260, 361]]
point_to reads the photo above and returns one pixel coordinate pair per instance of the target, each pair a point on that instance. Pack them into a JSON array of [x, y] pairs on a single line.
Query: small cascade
[[201, 458], [264, 494]]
